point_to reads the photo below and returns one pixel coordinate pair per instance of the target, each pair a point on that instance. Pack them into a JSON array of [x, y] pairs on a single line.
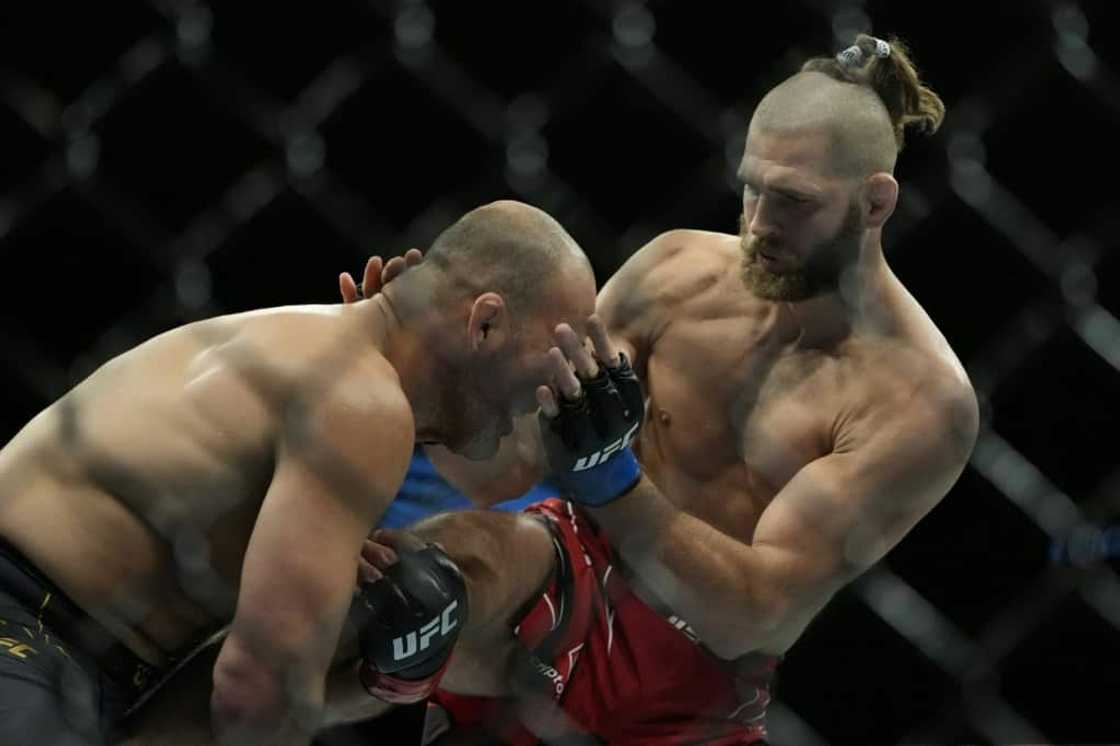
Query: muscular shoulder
[[912, 398], [351, 418], [673, 268], [671, 265]]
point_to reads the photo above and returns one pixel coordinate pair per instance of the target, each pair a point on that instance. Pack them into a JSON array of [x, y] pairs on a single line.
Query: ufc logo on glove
[[588, 441], [406, 646], [587, 462]]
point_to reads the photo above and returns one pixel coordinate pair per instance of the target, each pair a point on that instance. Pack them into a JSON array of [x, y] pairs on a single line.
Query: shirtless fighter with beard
[[803, 414]]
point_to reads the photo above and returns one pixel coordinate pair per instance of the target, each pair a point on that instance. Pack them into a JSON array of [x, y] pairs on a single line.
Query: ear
[[880, 195], [488, 324]]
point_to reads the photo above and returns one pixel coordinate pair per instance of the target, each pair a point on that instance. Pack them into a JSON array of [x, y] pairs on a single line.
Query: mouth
[[768, 259]]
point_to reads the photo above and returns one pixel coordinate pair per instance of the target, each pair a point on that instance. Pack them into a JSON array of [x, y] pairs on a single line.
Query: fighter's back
[[137, 491]]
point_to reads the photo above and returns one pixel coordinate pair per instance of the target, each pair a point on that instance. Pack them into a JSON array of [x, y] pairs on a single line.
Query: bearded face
[[775, 270]]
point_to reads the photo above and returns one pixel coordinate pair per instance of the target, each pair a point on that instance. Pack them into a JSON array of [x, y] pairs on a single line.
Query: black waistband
[[20, 579]]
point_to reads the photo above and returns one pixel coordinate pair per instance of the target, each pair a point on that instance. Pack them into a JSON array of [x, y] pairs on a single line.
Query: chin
[[478, 449]]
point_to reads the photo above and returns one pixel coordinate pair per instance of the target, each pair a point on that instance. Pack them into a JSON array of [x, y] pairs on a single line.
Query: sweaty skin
[[788, 444], [743, 404], [137, 491], [449, 355]]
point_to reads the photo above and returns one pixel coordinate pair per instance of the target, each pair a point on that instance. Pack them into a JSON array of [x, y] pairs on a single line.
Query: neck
[[856, 304], [411, 344]]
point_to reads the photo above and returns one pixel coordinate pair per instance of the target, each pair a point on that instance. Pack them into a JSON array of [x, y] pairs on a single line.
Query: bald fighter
[[229, 471], [803, 414]]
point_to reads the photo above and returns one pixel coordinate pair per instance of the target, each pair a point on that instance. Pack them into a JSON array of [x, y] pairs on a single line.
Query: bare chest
[[733, 414]]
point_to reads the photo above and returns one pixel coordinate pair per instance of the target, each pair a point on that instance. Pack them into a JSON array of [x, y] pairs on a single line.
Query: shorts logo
[[14, 647], [601, 456], [406, 646], [551, 674]]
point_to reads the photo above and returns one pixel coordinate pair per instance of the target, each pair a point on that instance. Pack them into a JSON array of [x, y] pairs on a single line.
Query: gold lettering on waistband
[[16, 648], [42, 608]]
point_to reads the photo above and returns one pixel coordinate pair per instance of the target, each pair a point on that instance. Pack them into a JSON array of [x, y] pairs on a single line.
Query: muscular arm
[[330, 485], [835, 518]]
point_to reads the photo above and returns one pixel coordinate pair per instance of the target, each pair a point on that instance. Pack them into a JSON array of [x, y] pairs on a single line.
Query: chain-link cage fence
[[167, 160]]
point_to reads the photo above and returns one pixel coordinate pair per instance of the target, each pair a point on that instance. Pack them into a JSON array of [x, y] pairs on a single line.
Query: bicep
[[299, 568], [843, 512], [329, 487]]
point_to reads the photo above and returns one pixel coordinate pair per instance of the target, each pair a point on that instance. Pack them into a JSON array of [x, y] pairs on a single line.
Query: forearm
[[722, 587]]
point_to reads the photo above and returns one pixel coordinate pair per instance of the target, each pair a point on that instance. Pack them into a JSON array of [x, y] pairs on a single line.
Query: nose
[[760, 220]]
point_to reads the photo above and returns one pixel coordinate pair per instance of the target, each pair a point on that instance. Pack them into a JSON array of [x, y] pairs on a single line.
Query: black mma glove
[[588, 442], [415, 614]]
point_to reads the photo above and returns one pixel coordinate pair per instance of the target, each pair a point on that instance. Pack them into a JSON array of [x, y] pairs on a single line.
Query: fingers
[[575, 351], [393, 268], [367, 573], [565, 380], [374, 560], [371, 278], [378, 273], [347, 287], [379, 555], [601, 342], [569, 361], [397, 540], [547, 401]]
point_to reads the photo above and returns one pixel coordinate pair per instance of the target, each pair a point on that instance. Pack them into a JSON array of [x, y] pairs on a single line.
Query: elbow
[[252, 696], [245, 697], [749, 627]]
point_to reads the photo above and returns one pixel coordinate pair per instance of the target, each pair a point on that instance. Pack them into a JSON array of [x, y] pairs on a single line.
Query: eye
[[792, 199]]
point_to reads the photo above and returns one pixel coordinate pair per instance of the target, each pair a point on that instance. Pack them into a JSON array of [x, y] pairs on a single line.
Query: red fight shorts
[[616, 668]]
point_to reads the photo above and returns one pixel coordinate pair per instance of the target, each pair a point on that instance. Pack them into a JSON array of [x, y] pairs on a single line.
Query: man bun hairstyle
[[887, 68]]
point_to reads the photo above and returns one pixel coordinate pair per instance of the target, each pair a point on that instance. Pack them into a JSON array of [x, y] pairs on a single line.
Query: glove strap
[[598, 484], [396, 690]]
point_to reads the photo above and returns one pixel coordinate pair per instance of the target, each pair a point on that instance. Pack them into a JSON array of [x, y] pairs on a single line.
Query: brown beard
[[819, 273]]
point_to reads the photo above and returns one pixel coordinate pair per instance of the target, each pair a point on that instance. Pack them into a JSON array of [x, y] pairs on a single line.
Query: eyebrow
[[793, 191], [798, 190]]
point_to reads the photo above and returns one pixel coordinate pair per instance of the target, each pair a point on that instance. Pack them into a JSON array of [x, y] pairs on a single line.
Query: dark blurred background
[[166, 160]]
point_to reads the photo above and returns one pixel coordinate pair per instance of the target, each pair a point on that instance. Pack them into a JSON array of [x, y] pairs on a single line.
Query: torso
[[136, 493], [738, 402]]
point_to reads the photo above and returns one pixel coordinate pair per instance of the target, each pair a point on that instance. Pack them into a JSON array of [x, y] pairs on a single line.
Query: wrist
[[605, 482]]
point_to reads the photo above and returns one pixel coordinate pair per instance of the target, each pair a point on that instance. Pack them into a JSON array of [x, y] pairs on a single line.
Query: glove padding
[[415, 613], [588, 442]]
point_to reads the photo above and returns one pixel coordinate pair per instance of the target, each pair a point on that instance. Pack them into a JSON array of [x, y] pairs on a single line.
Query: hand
[[379, 552], [589, 419], [415, 610], [378, 274]]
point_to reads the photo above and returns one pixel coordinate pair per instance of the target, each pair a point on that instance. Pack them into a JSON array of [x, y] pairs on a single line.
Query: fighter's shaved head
[[852, 117], [864, 106], [511, 248]]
